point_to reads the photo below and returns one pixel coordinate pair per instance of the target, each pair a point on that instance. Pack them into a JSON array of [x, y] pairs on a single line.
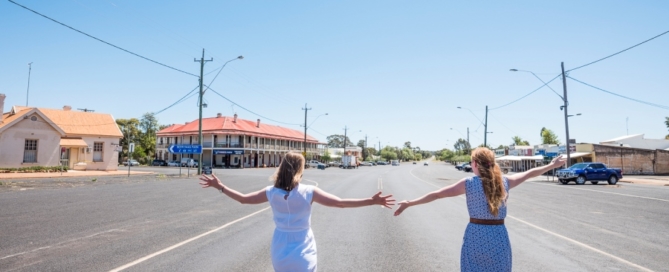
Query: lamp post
[[30, 67], [485, 125], [200, 104], [306, 127], [563, 107]]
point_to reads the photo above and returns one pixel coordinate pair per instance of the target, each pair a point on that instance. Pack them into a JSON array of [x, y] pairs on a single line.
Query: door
[[591, 172], [601, 171]]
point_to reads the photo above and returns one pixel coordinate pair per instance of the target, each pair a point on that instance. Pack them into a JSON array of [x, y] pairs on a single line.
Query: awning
[[578, 154], [73, 143], [520, 158]]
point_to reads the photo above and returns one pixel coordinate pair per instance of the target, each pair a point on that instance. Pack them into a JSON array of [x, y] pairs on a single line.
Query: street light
[[200, 104], [578, 114], [306, 127], [485, 125], [563, 107]]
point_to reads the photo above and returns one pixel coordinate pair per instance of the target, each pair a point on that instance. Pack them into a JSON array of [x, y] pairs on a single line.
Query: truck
[[589, 171], [348, 162]]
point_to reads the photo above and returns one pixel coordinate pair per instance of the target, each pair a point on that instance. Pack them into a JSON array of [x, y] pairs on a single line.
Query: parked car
[[159, 163], [188, 162], [366, 163], [395, 163], [334, 163], [206, 169], [381, 163], [414, 162], [467, 168], [592, 171], [425, 163], [172, 163], [132, 163], [459, 167], [313, 163]]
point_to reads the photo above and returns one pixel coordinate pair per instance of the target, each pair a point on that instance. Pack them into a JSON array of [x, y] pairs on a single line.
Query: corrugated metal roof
[[226, 124]]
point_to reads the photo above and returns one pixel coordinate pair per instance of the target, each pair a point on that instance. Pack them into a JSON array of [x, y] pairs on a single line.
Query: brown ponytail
[[289, 173], [491, 178]]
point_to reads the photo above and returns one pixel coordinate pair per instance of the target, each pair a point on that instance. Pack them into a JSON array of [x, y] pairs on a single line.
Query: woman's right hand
[[212, 181], [558, 162], [402, 206]]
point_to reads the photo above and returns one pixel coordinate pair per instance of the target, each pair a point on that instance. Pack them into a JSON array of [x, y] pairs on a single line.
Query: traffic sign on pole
[[185, 149]]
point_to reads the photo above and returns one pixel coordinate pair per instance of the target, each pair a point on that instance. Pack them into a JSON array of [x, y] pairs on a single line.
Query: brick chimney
[[235, 120], [258, 125], [2, 105], [67, 108], [219, 115]]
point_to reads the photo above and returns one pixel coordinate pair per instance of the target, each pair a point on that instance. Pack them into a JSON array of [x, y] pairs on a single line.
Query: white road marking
[[311, 181], [379, 184], [58, 244], [561, 236], [140, 260], [583, 189]]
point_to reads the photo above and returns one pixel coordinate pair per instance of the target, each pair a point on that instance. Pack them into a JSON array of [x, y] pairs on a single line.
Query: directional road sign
[[185, 149]]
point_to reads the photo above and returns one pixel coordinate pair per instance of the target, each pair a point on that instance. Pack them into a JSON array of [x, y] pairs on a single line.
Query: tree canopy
[[519, 141], [548, 136], [337, 140], [462, 146]]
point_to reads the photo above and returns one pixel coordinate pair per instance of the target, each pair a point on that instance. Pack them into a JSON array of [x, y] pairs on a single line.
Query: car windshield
[[578, 166]]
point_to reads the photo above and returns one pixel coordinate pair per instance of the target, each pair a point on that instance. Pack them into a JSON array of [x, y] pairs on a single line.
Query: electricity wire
[[514, 101], [629, 98], [110, 44], [185, 97], [292, 124], [584, 65]]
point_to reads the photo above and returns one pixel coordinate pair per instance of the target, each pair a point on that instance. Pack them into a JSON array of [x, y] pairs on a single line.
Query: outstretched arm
[[517, 179], [250, 198], [448, 191], [326, 199]]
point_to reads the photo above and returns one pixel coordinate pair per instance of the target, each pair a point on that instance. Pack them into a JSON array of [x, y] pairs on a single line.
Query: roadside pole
[[566, 116], [131, 148], [181, 158]]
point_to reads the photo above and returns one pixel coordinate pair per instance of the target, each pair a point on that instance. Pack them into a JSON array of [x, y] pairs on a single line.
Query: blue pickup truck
[[592, 171]]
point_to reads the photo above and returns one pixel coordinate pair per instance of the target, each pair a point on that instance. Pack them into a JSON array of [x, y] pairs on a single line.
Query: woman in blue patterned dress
[[293, 245], [485, 246]]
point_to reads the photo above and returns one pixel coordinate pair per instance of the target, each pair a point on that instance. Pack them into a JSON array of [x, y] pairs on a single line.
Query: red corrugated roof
[[225, 124]]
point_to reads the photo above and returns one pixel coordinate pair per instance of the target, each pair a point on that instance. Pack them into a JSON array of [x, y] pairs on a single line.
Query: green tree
[[407, 144], [548, 136], [388, 155], [519, 141], [337, 140], [131, 133], [326, 156], [462, 146]]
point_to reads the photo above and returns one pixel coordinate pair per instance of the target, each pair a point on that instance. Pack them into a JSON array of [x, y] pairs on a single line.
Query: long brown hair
[[289, 173], [491, 177]]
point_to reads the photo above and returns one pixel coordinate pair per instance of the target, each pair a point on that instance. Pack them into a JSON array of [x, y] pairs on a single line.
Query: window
[[30, 151], [97, 151]]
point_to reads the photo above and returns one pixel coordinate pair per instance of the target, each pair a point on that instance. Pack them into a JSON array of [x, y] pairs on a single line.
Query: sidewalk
[[71, 173], [652, 180]]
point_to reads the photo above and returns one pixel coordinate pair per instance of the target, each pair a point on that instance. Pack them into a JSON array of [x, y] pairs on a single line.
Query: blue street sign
[[185, 149]]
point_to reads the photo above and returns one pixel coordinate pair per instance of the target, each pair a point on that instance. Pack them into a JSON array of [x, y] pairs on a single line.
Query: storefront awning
[[578, 154], [73, 143]]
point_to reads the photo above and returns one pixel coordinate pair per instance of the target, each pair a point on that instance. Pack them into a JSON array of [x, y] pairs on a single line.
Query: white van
[[186, 162], [395, 163]]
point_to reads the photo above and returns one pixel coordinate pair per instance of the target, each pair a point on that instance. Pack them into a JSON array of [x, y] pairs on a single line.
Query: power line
[[579, 67], [185, 97], [633, 99], [514, 101], [90, 36], [250, 110]]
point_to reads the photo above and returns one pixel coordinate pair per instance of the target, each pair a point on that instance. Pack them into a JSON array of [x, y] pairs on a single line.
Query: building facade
[[50, 137], [232, 142]]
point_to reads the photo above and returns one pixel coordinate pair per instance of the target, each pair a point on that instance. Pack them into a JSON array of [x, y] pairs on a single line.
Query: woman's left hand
[[403, 205], [385, 201], [212, 181]]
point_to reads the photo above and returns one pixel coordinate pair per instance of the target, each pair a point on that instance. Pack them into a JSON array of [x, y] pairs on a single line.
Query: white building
[[638, 141]]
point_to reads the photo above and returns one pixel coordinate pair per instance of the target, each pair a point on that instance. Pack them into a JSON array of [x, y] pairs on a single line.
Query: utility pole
[[364, 150], [485, 126], [345, 129], [468, 143], [28, 91], [305, 130], [566, 118], [202, 61]]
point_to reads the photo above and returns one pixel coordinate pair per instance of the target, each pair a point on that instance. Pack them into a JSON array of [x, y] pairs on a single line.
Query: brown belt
[[486, 222]]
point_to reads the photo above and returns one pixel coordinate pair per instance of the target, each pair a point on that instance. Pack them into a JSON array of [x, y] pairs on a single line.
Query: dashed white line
[[564, 237], [379, 184], [140, 260], [61, 243]]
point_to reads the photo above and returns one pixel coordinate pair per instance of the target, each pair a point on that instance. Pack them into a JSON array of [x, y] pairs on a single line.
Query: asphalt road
[[158, 223]]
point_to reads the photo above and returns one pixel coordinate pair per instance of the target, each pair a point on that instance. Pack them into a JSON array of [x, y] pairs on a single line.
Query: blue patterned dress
[[484, 247]]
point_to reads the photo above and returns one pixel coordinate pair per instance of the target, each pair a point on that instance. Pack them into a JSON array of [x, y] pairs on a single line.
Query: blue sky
[[392, 70]]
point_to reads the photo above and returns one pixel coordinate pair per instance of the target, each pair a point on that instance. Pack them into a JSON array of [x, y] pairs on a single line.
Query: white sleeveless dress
[[293, 245]]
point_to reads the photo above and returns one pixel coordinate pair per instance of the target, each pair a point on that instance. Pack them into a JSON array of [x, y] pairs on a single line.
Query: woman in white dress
[[293, 244]]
